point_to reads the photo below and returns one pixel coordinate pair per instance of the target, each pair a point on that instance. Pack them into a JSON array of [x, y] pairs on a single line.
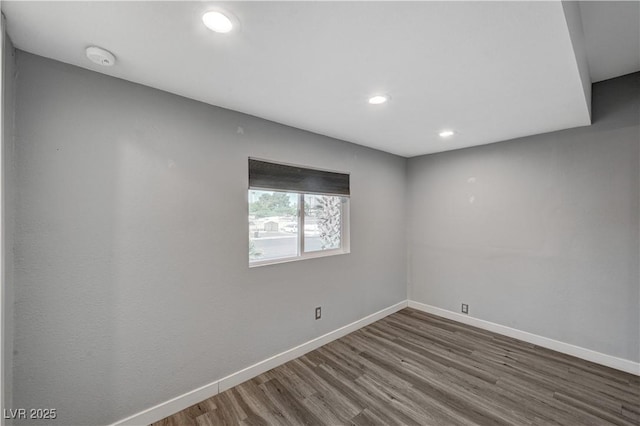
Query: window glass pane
[[322, 222], [273, 225]]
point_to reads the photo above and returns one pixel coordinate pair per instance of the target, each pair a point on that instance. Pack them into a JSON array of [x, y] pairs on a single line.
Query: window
[[296, 213]]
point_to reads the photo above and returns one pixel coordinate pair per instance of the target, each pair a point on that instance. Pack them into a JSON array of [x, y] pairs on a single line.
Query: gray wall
[[132, 284], [540, 233], [8, 202]]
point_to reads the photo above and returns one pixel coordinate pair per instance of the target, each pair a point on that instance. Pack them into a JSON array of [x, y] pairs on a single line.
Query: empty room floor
[[416, 368]]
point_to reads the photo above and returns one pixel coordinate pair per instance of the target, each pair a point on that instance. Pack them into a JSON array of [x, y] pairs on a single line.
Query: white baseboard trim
[[167, 408], [565, 348], [279, 359], [190, 398]]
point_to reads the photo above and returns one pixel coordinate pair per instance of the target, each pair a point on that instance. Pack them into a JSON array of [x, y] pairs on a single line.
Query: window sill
[[310, 255]]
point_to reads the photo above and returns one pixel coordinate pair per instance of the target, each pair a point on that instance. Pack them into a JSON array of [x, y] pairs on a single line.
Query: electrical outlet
[[318, 312], [465, 308]]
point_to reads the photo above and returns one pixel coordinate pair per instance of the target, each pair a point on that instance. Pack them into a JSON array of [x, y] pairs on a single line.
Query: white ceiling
[[491, 71]]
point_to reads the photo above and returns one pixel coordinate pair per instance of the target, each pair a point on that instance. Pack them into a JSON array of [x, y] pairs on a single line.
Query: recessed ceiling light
[[446, 133], [378, 99], [217, 21]]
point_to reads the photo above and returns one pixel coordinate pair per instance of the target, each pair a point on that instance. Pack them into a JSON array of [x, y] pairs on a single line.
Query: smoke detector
[[100, 56]]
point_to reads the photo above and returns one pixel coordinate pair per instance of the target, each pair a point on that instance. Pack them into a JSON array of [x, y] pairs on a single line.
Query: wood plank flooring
[[418, 369]]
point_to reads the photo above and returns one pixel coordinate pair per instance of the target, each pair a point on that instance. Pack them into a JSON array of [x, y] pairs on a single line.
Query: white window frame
[[344, 248]]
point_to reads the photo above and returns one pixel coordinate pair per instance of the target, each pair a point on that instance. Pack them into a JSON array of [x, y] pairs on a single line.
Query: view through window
[[286, 225], [296, 212]]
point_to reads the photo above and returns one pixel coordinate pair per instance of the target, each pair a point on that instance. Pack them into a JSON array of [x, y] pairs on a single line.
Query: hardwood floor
[[415, 368]]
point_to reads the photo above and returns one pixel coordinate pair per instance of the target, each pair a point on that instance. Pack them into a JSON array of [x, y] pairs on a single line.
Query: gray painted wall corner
[[8, 216]]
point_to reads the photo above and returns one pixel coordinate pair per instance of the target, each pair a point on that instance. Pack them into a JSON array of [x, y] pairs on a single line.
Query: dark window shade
[[265, 175]]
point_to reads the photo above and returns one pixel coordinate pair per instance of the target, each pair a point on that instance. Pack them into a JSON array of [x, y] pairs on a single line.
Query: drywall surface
[[132, 279], [539, 233], [571, 10], [8, 217]]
